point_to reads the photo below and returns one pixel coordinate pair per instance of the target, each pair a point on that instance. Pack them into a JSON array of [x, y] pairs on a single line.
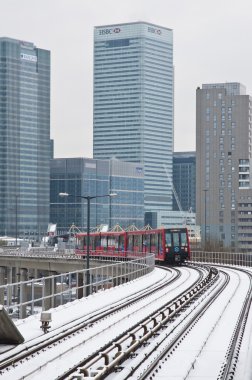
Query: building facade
[[85, 176], [184, 181], [133, 103], [223, 162], [25, 138]]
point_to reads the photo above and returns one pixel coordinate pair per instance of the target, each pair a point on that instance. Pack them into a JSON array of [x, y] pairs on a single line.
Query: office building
[[25, 138], [85, 176], [223, 165], [184, 181], [133, 103]]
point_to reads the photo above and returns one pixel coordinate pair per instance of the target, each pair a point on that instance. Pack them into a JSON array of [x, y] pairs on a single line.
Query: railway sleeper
[[136, 342]]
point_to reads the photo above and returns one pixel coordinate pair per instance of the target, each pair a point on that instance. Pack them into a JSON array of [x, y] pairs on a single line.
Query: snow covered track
[[67, 344], [109, 359], [208, 347], [183, 323]]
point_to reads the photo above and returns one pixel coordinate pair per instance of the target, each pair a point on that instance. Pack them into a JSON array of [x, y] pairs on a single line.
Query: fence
[[225, 258], [25, 298]]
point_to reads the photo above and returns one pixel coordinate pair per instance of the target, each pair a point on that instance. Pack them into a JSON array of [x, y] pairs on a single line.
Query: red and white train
[[170, 245]]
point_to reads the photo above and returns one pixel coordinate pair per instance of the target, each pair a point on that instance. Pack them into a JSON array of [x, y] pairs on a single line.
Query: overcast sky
[[212, 43]]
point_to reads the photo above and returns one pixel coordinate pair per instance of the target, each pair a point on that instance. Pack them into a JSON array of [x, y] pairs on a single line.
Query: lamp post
[[16, 215], [88, 199], [205, 190]]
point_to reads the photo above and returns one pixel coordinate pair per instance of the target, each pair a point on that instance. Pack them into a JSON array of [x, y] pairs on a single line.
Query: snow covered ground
[[92, 338], [207, 341]]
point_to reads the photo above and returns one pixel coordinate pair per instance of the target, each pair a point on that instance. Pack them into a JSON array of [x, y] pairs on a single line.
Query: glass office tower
[[133, 103], [86, 176], [25, 140], [184, 180]]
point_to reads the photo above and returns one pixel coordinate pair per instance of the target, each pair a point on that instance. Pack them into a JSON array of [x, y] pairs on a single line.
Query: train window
[[104, 243], [146, 243], [154, 243], [121, 243], [137, 243], [168, 241], [183, 238], [160, 245], [92, 242], [112, 241], [97, 242], [176, 239], [130, 242]]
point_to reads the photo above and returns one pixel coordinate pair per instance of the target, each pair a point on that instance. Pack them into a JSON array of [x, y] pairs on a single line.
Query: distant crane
[[173, 189], [189, 222]]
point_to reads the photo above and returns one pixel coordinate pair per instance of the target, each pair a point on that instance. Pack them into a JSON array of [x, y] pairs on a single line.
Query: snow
[[200, 356]]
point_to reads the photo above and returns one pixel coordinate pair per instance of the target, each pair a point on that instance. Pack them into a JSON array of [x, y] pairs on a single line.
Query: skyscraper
[[25, 137], [223, 165], [184, 180], [133, 103]]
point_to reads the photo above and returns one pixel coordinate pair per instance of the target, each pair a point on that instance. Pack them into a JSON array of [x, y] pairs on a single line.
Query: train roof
[[148, 231]]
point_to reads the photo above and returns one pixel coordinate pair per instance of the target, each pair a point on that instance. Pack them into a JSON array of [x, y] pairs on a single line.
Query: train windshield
[[183, 238], [176, 239]]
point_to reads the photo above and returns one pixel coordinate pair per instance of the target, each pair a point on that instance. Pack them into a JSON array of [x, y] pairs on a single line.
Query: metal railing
[[25, 298], [225, 258]]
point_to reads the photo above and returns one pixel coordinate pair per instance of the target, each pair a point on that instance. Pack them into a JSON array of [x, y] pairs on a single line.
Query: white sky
[[212, 43]]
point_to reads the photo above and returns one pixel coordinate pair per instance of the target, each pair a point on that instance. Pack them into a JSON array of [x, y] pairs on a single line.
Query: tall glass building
[[133, 103], [184, 180], [86, 176], [25, 140]]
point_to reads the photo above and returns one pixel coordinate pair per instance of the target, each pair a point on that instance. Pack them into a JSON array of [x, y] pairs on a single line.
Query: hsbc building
[[133, 103]]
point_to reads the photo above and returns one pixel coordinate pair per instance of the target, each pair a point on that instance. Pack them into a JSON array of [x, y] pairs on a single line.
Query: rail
[[25, 298], [225, 258]]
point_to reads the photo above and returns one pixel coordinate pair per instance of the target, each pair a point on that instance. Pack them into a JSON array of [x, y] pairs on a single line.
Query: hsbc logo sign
[[154, 30], [103, 32]]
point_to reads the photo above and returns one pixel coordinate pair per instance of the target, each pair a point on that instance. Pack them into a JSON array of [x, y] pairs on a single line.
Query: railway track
[[26, 361], [16, 360], [191, 347], [142, 335], [150, 335]]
